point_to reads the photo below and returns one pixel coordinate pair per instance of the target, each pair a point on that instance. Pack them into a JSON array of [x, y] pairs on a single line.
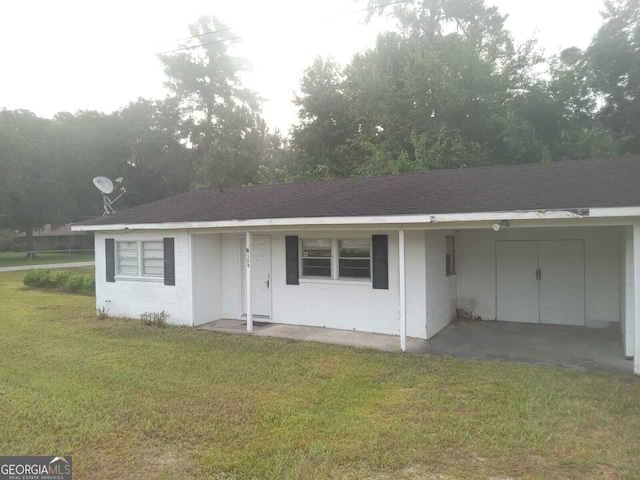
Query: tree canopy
[[447, 88]]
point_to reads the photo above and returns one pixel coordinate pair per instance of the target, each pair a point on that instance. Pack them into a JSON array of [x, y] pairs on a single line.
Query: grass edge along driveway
[[129, 401]]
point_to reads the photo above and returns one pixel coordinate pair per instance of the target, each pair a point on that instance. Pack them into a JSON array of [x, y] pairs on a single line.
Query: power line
[[239, 37], [200, 45], [372, 8], [203, 34]]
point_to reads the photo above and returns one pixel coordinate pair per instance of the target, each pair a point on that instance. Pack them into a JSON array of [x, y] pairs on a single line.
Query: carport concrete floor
[[559, 345], [556, 345]]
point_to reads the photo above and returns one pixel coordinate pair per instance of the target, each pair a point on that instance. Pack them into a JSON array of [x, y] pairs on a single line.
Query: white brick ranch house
[[555, 243]]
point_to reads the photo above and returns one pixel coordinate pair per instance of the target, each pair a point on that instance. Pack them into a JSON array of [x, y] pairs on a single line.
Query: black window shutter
[[109, 255], [380, 253], [169, 262], [292, 260]]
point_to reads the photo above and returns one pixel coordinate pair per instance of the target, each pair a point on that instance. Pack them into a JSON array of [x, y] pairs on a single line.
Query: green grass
[[16, 259], [129, 401]]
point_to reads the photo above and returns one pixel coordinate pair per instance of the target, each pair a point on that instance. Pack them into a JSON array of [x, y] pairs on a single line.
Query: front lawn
[[131, 401], [16, 259]]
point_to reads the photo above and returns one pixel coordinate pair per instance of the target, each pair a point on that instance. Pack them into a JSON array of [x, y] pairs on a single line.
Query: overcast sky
[[68, 55]]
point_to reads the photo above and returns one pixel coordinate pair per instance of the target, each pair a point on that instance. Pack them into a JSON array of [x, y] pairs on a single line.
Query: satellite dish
[[103, 184], [106, 187]]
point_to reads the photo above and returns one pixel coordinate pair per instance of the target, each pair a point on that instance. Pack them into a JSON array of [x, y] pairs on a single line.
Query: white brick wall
[[130, 298], [441, 291], [207, 277]]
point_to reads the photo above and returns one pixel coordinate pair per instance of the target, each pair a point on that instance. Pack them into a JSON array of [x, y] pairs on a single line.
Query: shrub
[[47, 280], [60, 278], [34, 277], [154, 319], [74, 284], [88, 284]]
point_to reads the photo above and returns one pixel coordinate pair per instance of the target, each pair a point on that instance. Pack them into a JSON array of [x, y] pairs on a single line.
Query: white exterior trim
[[636, 283], [403, 291], [376, 220], [249, 246]]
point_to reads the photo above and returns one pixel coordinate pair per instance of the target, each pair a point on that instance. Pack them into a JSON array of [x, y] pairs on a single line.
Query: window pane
[[153, 271], [152, 250], [152, 259], [127, 258], [316, 267], [356, 268], [316, 248], [450, 256], [128, 270], [354, 258], [355, 248]]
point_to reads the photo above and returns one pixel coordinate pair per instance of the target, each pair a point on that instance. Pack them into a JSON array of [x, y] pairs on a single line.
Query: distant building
[[54, 237]]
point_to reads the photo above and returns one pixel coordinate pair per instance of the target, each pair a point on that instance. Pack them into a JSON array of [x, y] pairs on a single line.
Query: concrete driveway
[[44, 265], [555, 345]]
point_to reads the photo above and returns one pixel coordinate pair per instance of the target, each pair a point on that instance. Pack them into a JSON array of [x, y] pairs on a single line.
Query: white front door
[[562, 282], [260, 277], [540, 282], [517, 282]]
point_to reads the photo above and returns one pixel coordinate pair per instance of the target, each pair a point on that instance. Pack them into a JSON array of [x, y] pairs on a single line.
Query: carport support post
[[248, 282], [403, 297], [636, 289]]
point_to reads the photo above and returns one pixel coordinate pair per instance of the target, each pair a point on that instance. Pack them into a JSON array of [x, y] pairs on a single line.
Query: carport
[[544, 291]]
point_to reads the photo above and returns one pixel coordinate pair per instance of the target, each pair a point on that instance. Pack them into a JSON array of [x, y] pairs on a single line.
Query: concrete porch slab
[[388, 343]]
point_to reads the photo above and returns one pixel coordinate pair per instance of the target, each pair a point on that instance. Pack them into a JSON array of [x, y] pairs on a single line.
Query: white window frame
[[335, 263], [140, 276], [450, 272]]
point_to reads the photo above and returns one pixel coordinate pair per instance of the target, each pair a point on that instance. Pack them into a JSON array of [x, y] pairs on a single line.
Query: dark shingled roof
[[609, 182]]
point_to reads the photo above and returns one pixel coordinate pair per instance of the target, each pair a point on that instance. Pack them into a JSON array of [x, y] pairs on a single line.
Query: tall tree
[[450, 89], [223, 118], [321, 136], [158, 163], [31, 163], [613, 66]]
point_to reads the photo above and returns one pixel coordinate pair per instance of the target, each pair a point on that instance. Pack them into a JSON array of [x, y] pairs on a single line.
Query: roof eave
[[547, 214]]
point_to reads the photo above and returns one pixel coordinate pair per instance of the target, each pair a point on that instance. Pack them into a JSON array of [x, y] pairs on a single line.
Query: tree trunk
[[30, 244]]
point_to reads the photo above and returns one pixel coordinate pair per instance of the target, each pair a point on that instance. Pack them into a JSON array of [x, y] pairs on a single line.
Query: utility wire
[[238, 37], [202, 34], [372, 8], [199, 45]]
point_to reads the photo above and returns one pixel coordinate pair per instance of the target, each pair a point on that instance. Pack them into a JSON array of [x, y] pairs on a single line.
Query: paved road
[[51, 265]]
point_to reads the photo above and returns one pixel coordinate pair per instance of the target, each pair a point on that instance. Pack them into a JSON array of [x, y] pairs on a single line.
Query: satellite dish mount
[[106, 187]]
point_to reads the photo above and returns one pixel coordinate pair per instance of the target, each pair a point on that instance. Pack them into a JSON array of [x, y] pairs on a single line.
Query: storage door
[[517, 282], [562, 282]]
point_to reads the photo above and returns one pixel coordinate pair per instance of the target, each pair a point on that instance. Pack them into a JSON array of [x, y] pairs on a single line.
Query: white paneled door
[[518, 297], [562, 282], [541, 281], [260, 277]]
